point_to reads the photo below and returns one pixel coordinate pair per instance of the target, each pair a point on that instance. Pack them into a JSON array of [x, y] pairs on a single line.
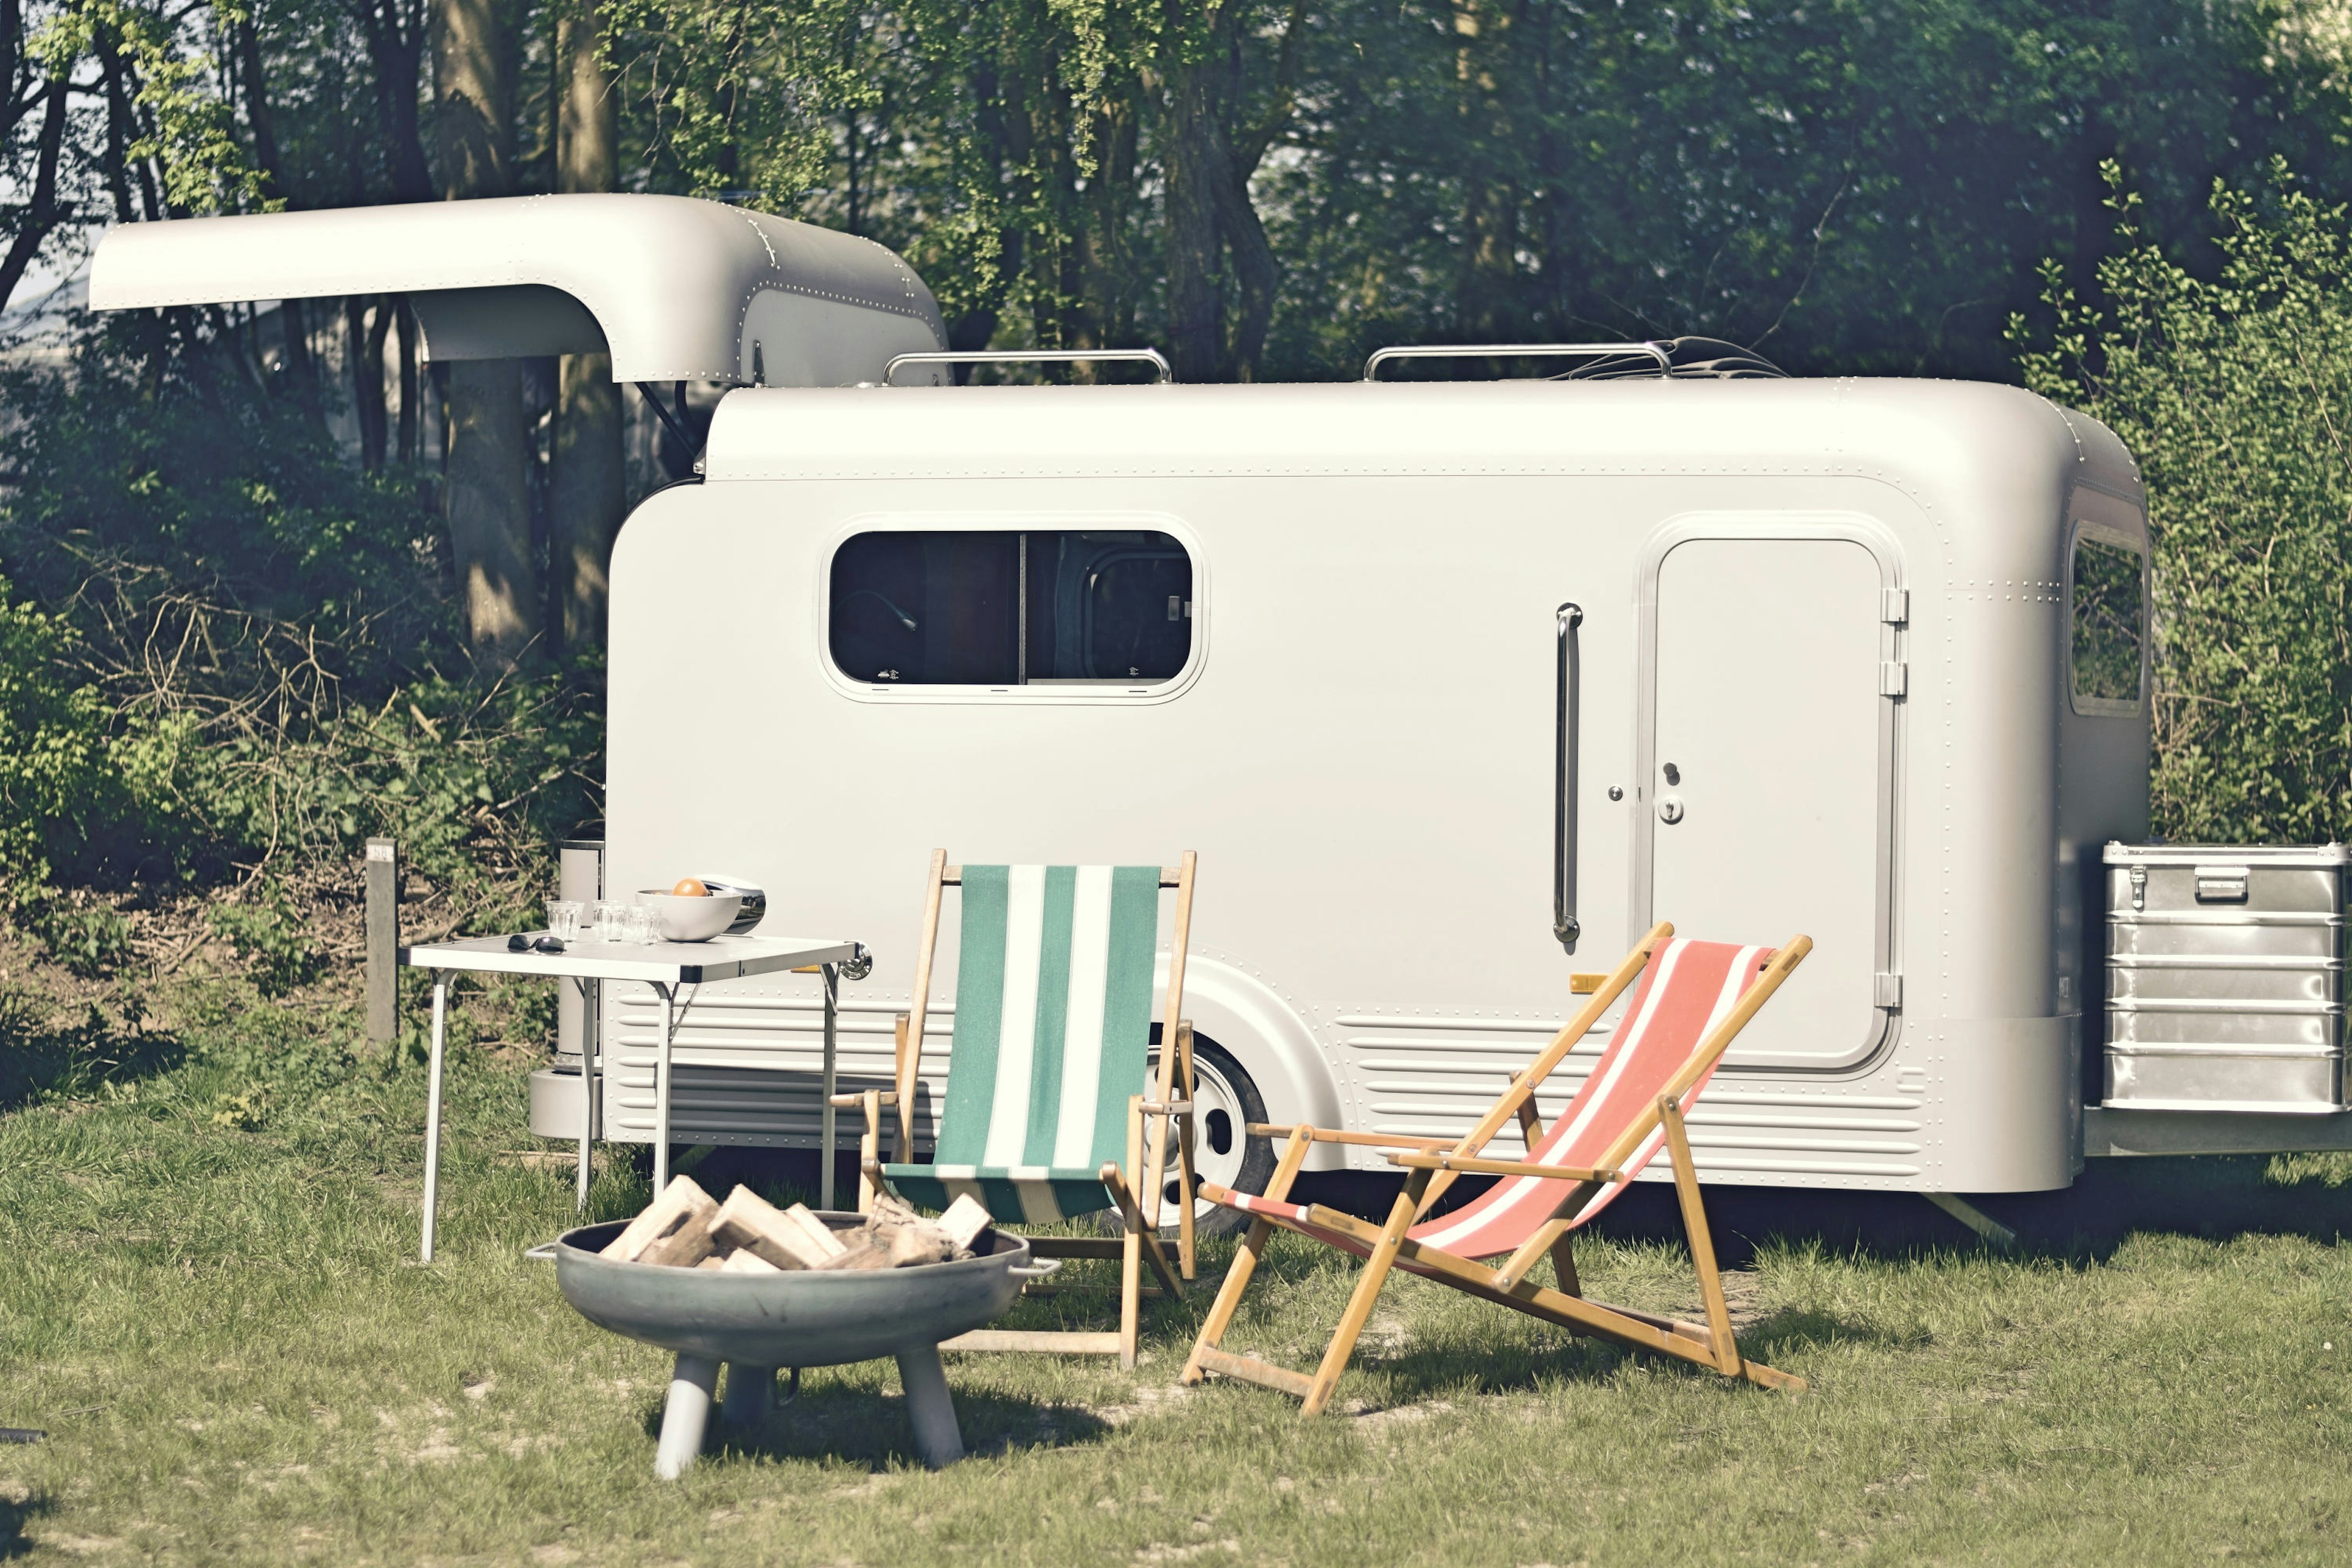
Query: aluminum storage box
[[2225, 978]]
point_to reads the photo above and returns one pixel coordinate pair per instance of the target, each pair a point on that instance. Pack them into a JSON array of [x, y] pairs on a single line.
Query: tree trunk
[[490, 509], [1195, 313], [412, 395], [586, 491], [488, 504], [293, 319], [367, 336], [42, 214]]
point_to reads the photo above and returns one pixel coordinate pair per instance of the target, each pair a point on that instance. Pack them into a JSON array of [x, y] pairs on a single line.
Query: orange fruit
[[689, 887]]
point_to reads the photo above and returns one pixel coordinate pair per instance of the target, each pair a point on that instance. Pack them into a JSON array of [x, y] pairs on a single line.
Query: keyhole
[[1674, 774]]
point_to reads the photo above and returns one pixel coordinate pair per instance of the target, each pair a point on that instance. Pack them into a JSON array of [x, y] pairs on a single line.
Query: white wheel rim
[[1215, 1108]]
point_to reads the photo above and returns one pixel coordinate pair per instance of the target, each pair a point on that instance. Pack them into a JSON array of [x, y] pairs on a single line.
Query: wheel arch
[[1264, 1033]]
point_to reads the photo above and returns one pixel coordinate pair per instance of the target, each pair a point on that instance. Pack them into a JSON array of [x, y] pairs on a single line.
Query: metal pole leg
[[824, 1101], [661, 1094], [587, 1095], [433, 1112], [686, 1415], [929, 1409], [751, 1394]]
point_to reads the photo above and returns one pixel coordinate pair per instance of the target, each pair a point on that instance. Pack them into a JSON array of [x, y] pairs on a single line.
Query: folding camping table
[[666, 966]]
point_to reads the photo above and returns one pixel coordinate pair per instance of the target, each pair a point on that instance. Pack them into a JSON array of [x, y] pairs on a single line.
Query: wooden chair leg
[[869, 1149], [1131, 1264], [1367, 1292], [1245, 1263], [1702, 1244], [1184, 1178], [904, 1078], [1564, 1265]]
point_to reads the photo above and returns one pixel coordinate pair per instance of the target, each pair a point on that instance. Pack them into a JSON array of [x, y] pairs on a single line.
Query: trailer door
[[1767, 755]]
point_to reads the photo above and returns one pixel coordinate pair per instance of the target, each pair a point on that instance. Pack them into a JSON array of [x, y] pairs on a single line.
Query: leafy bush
[[240, 659], [269, 934], [2235, 394], [89, 939], [58, 778]]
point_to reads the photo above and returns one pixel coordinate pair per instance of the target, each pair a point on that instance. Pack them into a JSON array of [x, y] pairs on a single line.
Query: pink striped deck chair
[[1694, 997]]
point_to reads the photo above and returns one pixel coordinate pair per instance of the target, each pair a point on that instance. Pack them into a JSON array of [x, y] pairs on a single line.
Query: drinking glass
[[642, 927], [563, 919], [611, 921]]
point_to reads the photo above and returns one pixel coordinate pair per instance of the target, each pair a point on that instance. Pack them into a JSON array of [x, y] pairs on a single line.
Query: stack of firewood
[[687, 1228]]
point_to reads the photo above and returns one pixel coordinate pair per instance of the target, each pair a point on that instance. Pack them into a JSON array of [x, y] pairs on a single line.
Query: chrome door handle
[[1564, 923]]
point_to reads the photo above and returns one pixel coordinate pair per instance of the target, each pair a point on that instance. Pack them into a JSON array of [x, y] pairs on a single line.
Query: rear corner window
[[997, 609], [2109, 622]]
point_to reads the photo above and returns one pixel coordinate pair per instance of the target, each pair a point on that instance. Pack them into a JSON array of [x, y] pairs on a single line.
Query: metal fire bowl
[[793, 1319]]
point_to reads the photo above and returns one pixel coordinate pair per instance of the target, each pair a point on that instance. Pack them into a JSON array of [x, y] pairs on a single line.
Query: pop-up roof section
[[673, 288]]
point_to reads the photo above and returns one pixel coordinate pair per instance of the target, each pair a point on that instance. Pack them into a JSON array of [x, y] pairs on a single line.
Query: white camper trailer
[[1456, 687]]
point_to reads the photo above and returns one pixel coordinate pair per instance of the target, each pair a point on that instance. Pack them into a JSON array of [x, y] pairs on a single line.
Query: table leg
[[433, 1111], [587, 1088], [661, 1092], [824, 1099]]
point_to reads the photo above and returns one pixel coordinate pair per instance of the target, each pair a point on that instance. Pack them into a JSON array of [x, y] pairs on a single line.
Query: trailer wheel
[[1225, 1102]]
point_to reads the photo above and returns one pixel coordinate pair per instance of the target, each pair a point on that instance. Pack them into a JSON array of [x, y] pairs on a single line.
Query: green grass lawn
[[210, 1303]]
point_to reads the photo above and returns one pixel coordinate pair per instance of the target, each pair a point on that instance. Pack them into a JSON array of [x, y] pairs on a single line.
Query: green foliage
[[2235, 394], [243, 666], [56, 777], [89, 939], [270, 933]]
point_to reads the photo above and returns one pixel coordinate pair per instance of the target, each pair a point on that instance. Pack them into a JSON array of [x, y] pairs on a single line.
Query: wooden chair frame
[[1431, 1167], [1138, 1185]]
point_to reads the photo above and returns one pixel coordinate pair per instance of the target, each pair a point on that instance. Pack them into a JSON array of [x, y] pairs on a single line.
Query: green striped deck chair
[[1043, 1118]]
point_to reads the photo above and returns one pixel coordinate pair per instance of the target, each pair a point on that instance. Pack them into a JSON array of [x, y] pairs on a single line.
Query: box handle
[[2220, 884]]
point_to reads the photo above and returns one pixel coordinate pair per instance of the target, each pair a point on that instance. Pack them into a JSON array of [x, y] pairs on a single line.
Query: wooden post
[[383, 941]]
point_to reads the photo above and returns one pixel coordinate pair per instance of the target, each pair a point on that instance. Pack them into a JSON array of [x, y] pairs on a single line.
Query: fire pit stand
[[759, 1322]]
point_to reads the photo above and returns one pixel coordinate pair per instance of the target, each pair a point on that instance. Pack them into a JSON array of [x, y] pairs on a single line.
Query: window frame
[[1053, 694], [2136, 546]]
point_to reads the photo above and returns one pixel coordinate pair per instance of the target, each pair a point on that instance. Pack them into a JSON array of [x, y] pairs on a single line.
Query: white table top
[[667, 962]]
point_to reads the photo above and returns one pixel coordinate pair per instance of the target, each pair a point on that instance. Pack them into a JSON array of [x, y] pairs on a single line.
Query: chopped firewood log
[[681, 1211], [789, 1238], [714, 1263], [863, 1255], [743, 1260], [965, 1222], [819, 1233], [889, 1213], [910, 1246]]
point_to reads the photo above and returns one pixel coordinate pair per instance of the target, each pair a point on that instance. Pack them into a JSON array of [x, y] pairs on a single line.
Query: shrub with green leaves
[[58, 777], [2235, 394]]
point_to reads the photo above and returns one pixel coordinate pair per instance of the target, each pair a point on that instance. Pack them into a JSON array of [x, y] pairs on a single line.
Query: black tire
[[1228, 1100]]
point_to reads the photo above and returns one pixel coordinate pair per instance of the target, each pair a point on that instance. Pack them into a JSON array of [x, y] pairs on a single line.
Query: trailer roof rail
[[1656, 352], [1152, 357]]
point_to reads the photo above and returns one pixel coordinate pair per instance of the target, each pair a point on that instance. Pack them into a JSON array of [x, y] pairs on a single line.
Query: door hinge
[[1895, 605], [1888, 989], [1894, 677]]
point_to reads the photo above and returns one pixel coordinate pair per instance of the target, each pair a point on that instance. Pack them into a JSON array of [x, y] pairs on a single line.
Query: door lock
[[1670, 808]]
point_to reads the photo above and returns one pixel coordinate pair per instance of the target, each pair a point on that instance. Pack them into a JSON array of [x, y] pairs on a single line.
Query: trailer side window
[[2109, 624], [968, 608]]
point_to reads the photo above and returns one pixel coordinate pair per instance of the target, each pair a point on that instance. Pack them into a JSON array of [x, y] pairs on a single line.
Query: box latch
[[2220, 884], [2139, 888]]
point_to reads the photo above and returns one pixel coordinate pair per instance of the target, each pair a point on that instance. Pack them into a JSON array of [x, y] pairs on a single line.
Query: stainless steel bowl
[[793, 1319], [758, 1323], [755, 901]]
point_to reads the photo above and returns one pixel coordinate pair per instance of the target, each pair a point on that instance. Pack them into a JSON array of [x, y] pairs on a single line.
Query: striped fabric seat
[[1054, 987], [1688, 990]]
